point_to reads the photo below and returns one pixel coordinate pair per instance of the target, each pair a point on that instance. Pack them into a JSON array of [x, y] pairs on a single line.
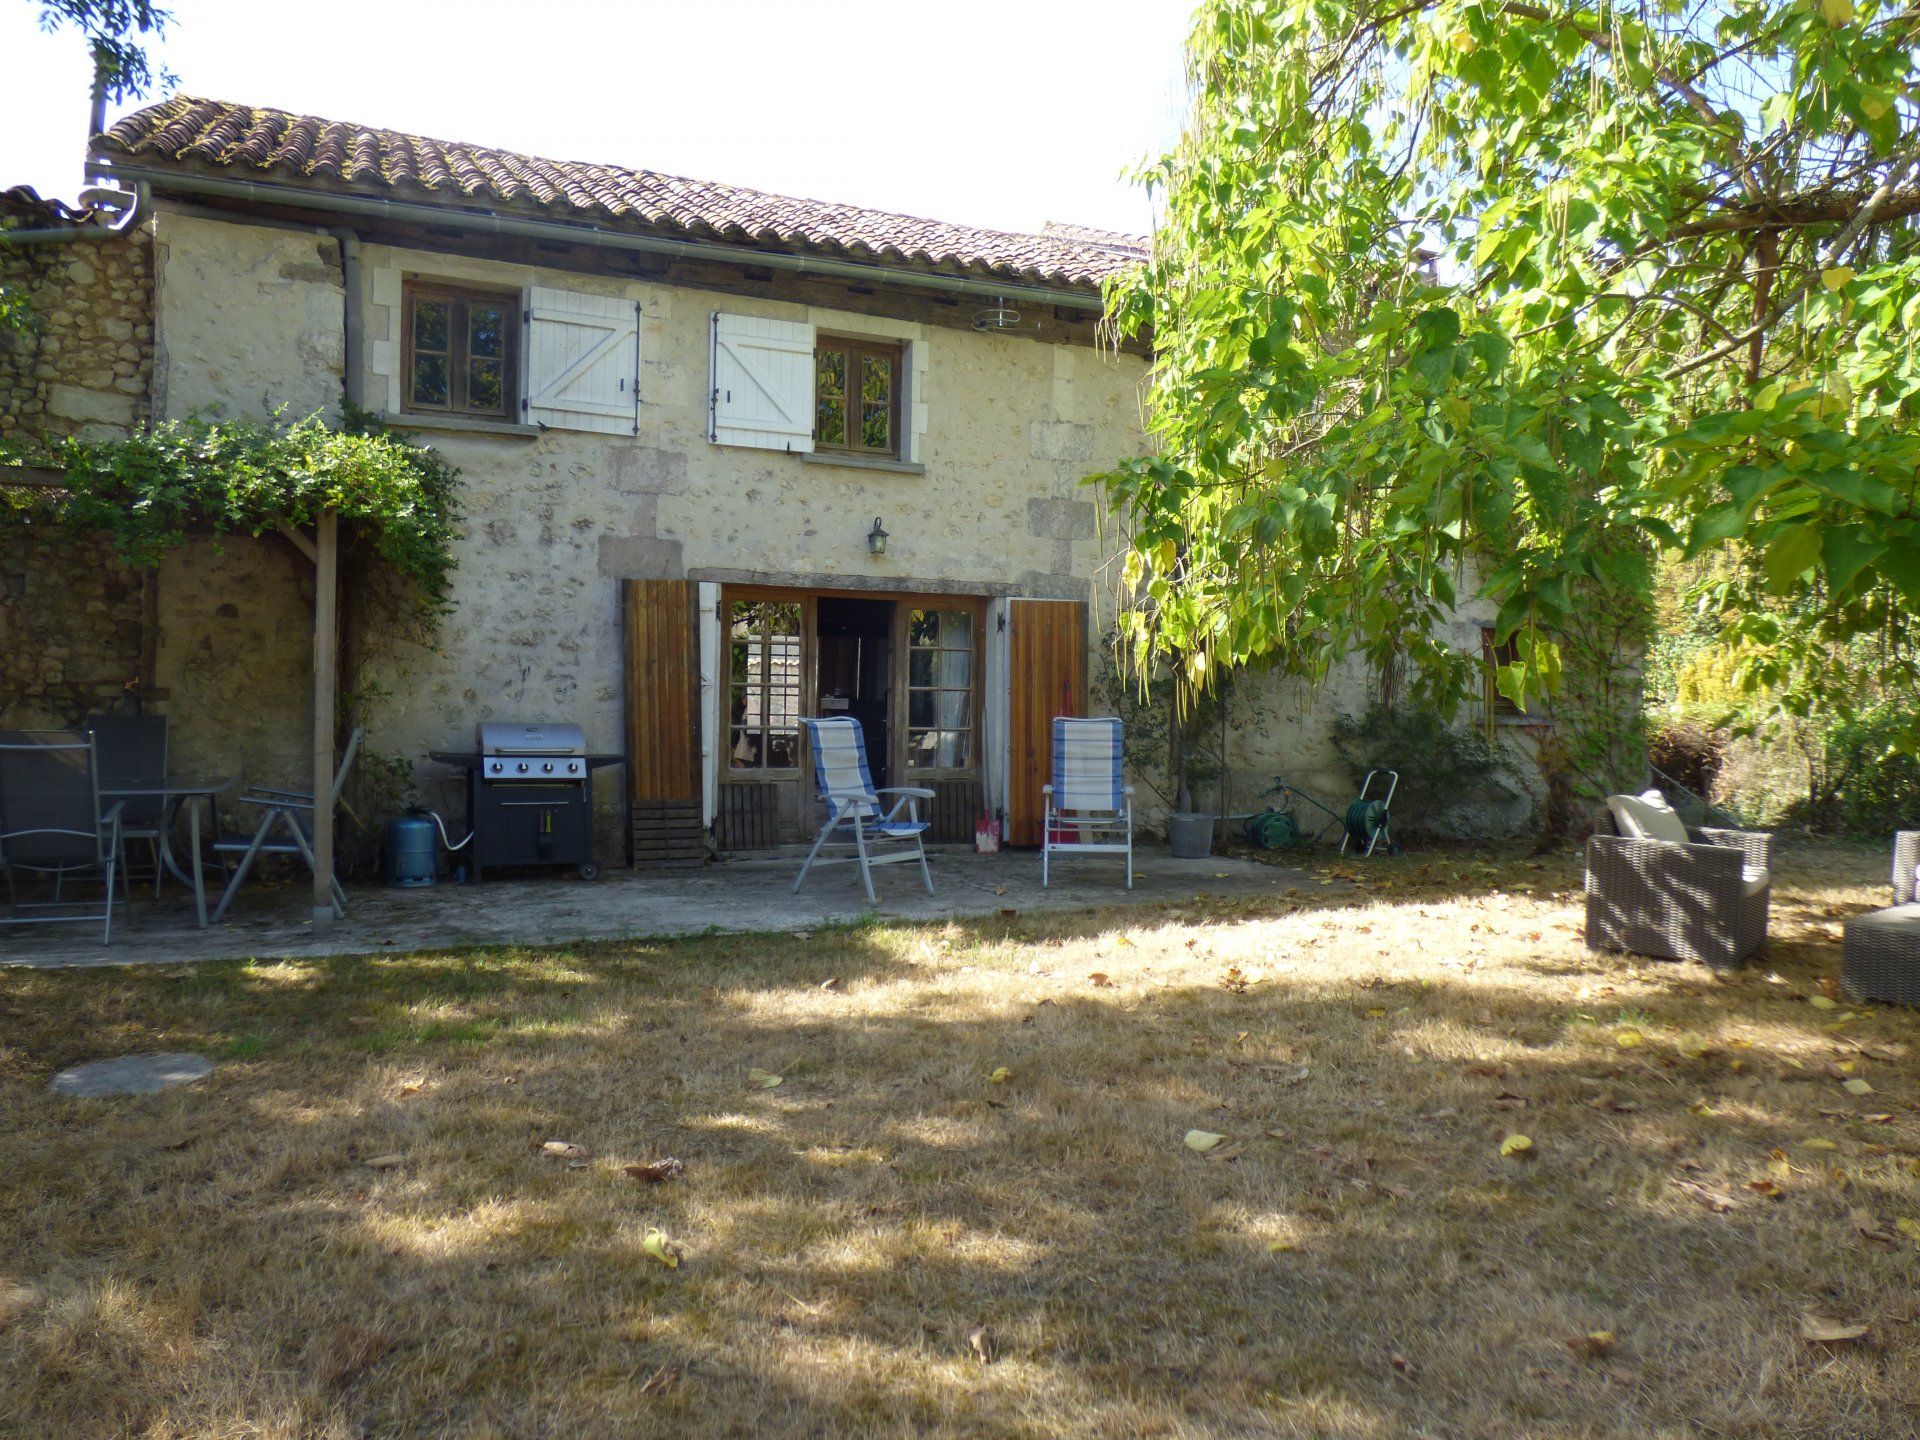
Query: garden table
[[174, 796]]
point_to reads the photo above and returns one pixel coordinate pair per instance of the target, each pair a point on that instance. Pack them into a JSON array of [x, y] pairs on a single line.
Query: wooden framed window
[[940, 689], [1497, 656], [460, 352], [765, 685], [856, 395]]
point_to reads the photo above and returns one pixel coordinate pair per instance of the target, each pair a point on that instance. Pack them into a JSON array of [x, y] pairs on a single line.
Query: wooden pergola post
[[326, 635]]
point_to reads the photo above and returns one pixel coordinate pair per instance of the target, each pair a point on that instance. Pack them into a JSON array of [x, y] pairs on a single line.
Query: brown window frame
[[855, 346], [458, 401]]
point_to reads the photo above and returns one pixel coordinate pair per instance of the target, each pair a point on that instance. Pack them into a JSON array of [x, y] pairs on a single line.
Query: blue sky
[[1005, 113]]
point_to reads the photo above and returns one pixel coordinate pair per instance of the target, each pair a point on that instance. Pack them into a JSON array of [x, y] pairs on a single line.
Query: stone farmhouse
[[728, 458]]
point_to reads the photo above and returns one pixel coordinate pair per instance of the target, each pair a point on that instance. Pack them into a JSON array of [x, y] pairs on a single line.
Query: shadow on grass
[[1369, 1265]]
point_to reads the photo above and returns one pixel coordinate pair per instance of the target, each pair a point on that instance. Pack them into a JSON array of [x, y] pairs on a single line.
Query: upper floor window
[[856, 396], [460, 356]]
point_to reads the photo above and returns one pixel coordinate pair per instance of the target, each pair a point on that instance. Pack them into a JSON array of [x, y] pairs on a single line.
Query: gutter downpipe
[[350, 327], [492, 223]]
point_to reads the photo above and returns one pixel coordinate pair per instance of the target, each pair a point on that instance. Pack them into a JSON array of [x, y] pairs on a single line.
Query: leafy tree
[[117, 31], [1517, 296]]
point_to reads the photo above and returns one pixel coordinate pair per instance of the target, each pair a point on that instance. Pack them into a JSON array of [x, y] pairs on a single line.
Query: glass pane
[[923, 749], [747, 749], [430, 324], [956, 629], [486, 331], [783, 749], [830, 397], [484, 391], [783, 616], [429, 380], [876, 402], [923, 627], [920, 667], [951, 668], [955, 708], [956, 749], [920, 707]]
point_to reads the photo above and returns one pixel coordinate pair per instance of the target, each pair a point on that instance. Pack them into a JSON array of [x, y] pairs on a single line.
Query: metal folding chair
[[1088, 803], [290, 812], [131, 753], [840, 772], [51, 824]]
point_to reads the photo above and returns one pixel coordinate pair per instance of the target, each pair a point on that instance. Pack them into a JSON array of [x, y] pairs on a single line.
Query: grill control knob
[[521, 767], [573, 767], [495, 767], [547, 768]]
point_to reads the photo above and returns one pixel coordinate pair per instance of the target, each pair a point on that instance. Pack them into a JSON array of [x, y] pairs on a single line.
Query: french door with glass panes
[[912, 677]]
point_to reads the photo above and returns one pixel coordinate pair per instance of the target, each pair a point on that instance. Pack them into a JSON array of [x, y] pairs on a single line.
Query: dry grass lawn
[[353, 1229]]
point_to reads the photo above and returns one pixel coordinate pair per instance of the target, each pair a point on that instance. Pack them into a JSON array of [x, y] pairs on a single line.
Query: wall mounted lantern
[[877, 538]]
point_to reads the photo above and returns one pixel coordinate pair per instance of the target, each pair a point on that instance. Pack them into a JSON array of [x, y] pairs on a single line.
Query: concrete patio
[[743, 895]]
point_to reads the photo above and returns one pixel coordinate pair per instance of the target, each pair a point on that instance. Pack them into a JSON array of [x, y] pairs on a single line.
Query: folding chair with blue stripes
[[846, 784], [1089, 809]]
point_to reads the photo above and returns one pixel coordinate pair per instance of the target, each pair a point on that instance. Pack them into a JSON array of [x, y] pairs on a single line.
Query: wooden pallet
[[667, 834]]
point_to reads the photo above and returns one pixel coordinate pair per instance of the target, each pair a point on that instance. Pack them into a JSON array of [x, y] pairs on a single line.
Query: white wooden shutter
[[762, 383], [583, 362]]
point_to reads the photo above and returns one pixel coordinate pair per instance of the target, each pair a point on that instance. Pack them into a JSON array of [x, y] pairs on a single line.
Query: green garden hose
[[1364, 818]]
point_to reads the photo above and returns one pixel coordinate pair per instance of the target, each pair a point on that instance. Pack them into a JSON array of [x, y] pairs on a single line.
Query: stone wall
[[85, 365], [73, 631], [75, 621]]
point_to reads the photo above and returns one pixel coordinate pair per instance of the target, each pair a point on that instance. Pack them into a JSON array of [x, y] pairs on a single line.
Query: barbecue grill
[[530, 795]]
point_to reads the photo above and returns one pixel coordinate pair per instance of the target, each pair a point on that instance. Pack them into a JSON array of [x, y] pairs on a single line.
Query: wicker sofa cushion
[[1754, 879], [1647, 817]]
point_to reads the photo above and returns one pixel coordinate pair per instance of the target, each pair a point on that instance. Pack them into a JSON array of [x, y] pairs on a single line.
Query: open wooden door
[[663, 722], [1047, 676]]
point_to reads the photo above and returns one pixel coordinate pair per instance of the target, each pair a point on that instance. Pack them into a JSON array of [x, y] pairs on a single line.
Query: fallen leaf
[[1516, 1145], [1871, 1230], [385, 1162], [1402, 1363], [832, 982], [1508, 1100], [1225, 1154], [764, 1079], [1818, 1143], [1202, 1141], [1691, 1045], [1280, 1247], [1101, 980], [1000, 1076], [654, 1171], [1909, 1228], [1856, 1086], [1376, 1012], [1769, 1188], [565, 1150], [1593, 1343], [1717, 1201], [660, 1248], [1818, 1329], [1627, 1037], [982, 1344], [1701, 1107], [1821, 1002], [406, 1090], [661, 1380]]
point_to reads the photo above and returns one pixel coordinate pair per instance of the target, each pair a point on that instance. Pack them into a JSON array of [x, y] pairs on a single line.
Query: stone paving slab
[[132, 1075], [739, 896]]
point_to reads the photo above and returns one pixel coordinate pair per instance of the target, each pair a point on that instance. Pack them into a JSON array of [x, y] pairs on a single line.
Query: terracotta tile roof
[[335, 154]]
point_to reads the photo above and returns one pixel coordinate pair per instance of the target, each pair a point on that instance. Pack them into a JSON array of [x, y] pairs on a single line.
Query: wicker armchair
[[1705, 900], [1880, 951]]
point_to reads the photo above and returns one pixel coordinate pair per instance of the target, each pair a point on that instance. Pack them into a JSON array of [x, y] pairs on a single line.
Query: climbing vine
[[151, 490]]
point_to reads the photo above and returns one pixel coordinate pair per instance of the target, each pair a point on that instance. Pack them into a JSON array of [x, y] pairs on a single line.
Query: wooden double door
[[953, 693]]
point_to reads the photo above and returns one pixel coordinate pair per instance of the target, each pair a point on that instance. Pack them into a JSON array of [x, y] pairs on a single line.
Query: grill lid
[[500, 737]]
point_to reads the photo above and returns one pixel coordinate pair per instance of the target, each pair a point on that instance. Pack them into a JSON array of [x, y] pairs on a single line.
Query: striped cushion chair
[[853, 805], [1089, 811]]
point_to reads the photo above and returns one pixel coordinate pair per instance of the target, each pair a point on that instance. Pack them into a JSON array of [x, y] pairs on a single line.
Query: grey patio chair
[[51, 825], [853, 805], [130, 751], [1654, 887], [290, 812], [1880, 951]]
